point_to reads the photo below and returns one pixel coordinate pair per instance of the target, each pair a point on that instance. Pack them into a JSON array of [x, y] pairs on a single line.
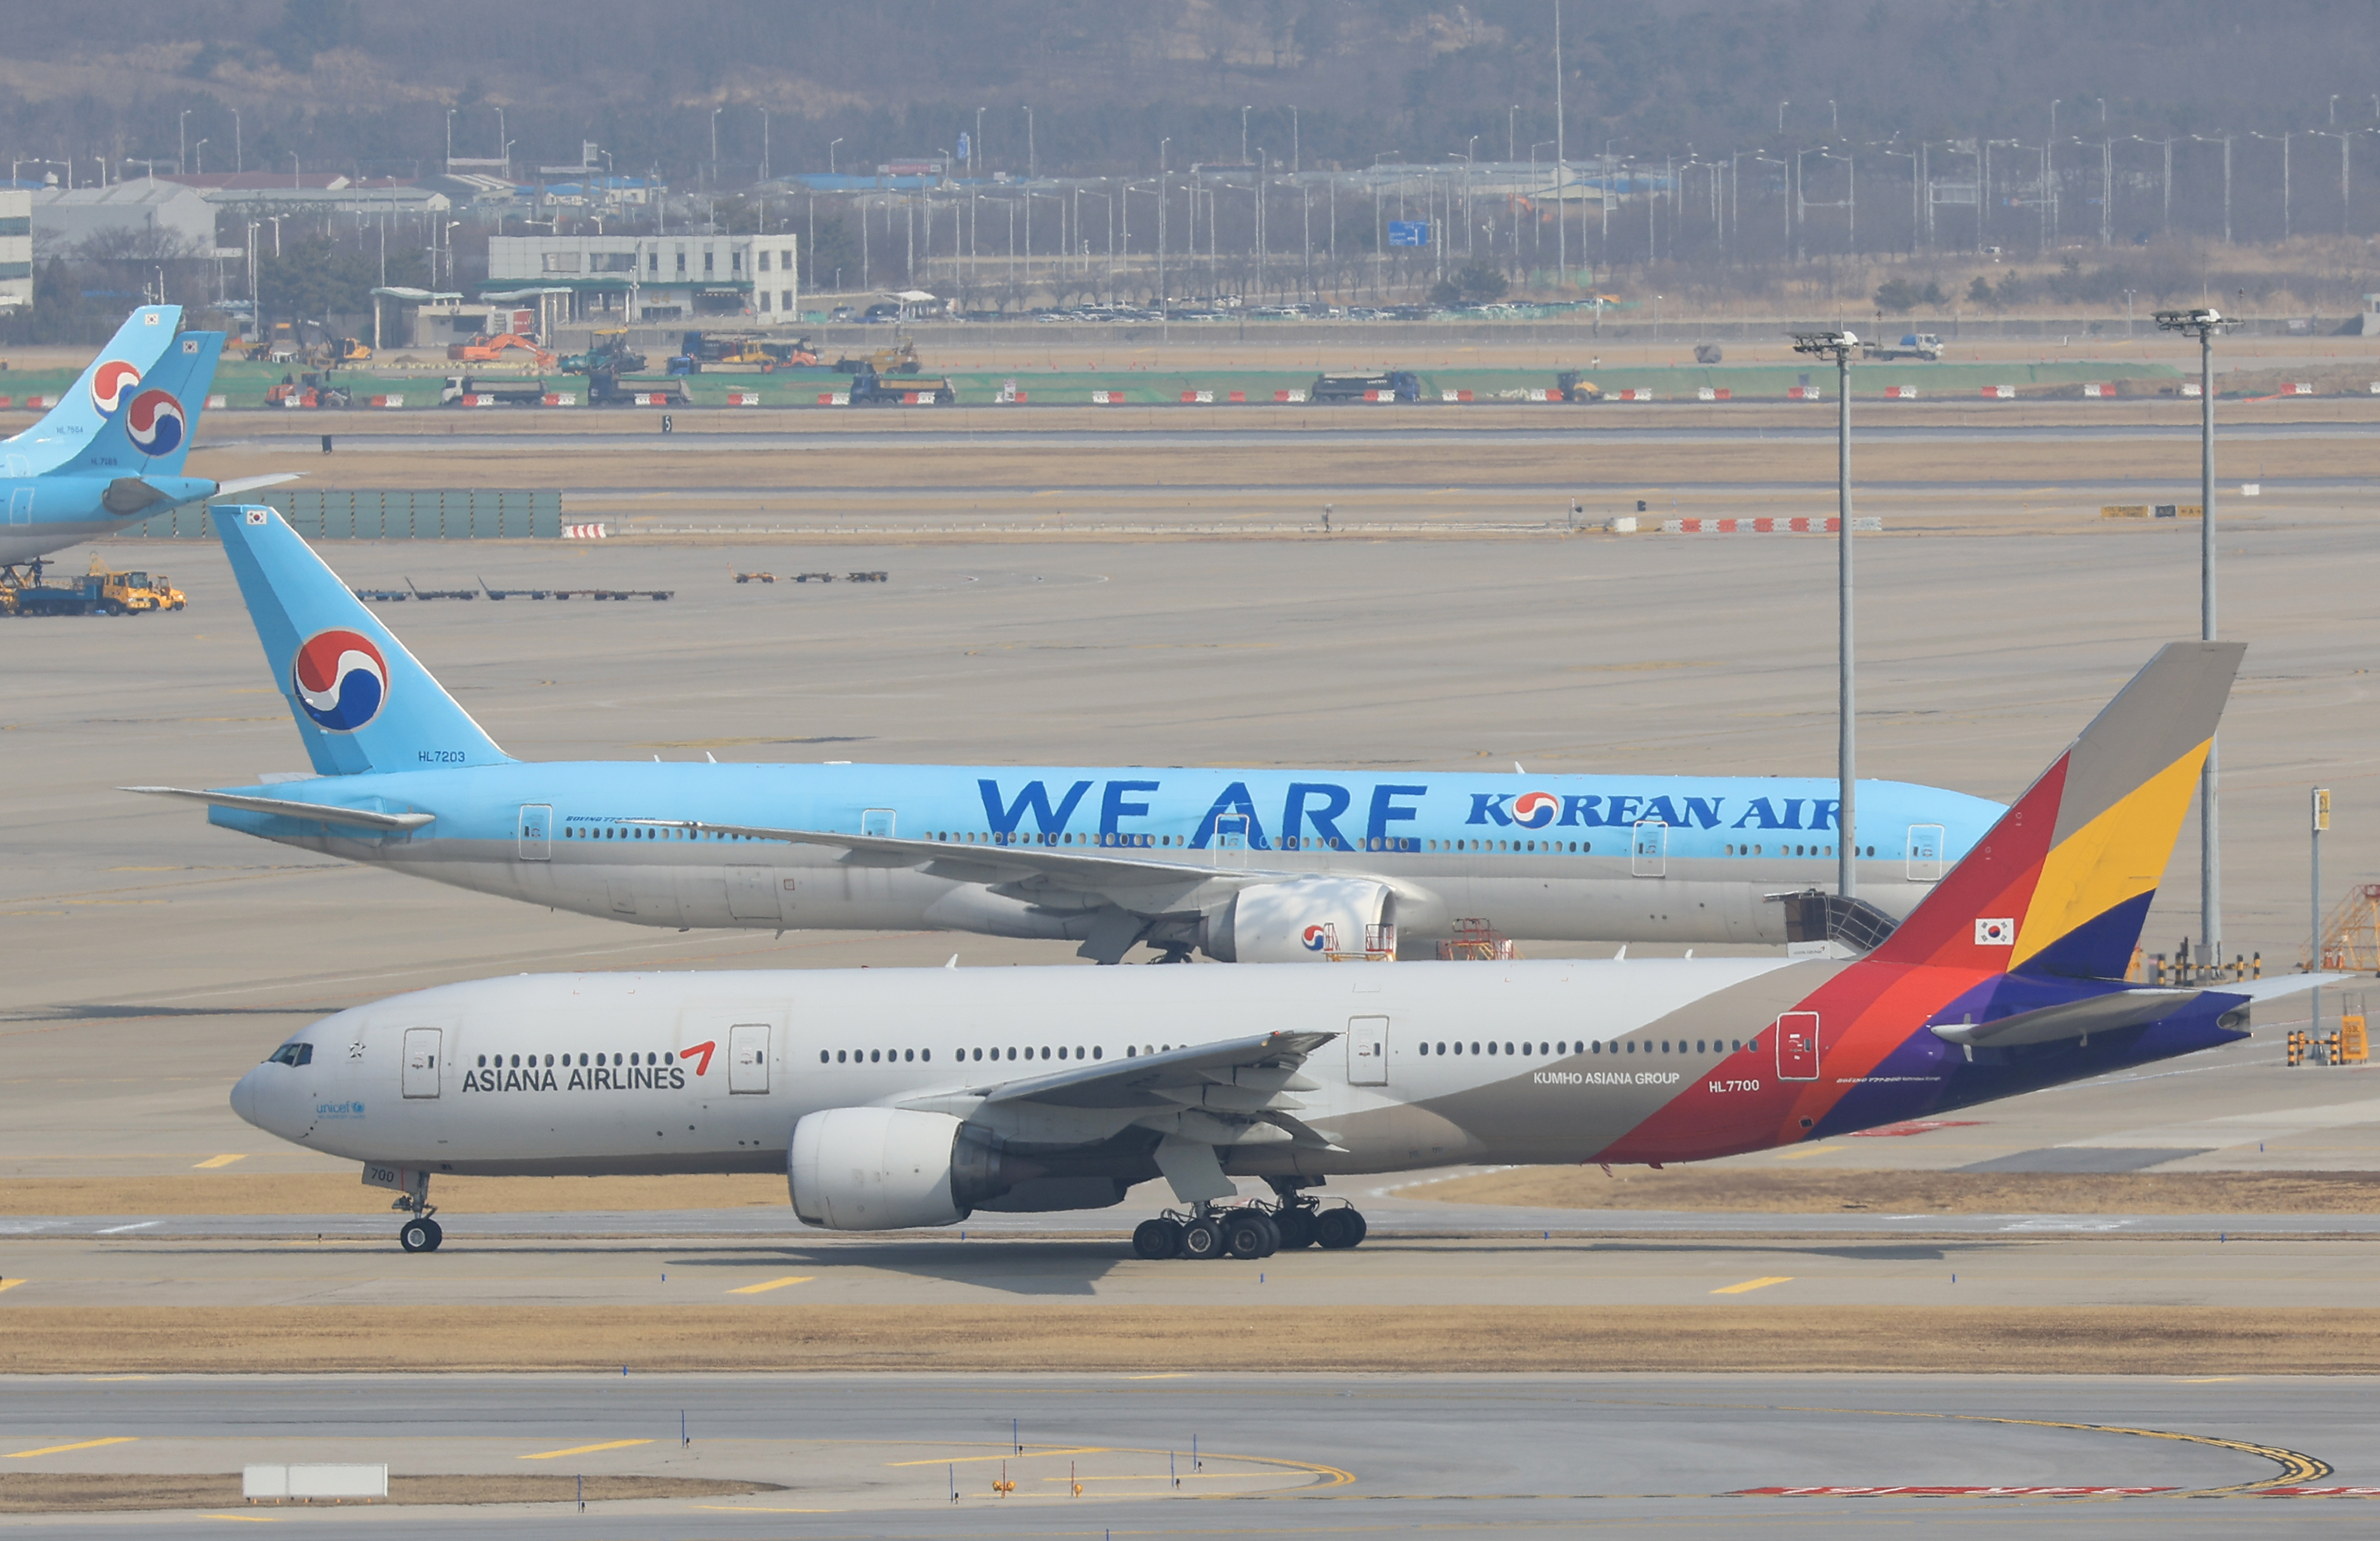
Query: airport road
[[1280, 1454]]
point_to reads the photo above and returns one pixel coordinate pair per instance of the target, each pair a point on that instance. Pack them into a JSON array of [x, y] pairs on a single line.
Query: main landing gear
[[1249, 1230], [419, 1234]]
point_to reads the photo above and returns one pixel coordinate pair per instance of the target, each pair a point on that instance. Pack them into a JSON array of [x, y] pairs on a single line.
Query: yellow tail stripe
[[2119, 855]]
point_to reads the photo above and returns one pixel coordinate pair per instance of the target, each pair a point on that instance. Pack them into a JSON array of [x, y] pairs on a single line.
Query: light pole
[[764, 144], [714, 143], [198, 154], [239, 159], [830, 155], [2320, 810], [1032, 167], [2205, 324], [1243, 134], [1511, 134], [450, 140], [182, 143], [1840, 347]]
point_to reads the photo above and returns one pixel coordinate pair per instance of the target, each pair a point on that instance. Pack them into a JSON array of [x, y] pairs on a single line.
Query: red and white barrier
[[40, 404], [1805, 392], [1197, 398], [1298, 396], [1238, 398], [2000, 392], [1637, 393], [390, 403], [217, 403], [1380, 395], [743, 398], [2302, 389], [1107, 398], [560, 399], [1900, 392], [1795, 525], [2189, 388], [586, 533], [472, 399], [2098, 390], [1713, 393], [826, 398]]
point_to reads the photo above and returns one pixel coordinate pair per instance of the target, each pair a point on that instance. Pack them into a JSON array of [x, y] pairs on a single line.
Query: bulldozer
[[501, 348], [897, 358]]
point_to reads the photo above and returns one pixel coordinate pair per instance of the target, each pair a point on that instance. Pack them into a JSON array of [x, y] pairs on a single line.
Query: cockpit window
[[291, 1054]]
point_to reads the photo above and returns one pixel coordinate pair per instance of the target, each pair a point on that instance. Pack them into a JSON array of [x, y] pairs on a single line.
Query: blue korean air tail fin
[[101, 388], [151, 432], [362, 703]]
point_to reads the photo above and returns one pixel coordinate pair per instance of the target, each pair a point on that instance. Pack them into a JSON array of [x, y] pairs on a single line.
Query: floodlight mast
[[2205, 324], [1841, 346]]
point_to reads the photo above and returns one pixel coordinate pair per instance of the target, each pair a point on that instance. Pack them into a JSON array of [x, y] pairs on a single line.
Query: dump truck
[[1388, 385], [870, 389], [1913, 345], [98, 592], [463, 390], [605, 387]]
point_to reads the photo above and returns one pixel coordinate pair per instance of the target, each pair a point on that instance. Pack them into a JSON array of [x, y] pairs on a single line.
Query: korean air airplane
[[102, 387], [901, 1097], [1242, 865], [130, 469]]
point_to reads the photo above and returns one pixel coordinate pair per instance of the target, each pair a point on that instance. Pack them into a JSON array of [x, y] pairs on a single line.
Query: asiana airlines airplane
[[1241, 865], [906, 1097]]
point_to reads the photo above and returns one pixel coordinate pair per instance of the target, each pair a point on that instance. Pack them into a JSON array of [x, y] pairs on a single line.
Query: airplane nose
[[243, 1096]]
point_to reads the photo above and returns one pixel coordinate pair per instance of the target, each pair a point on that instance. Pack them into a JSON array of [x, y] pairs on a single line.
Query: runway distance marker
[[211, 1162], [584, 1450], [767, 1284], [86, 1445], [1750, 1284]]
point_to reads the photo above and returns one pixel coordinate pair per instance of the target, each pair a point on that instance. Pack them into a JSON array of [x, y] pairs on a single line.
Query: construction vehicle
[[499, 349], [870, 389], [332, 352], [463, 390], [741, 352], [1388, 385], [605, 388], [610, 349], [280, 346], [1913, 345], [97, 592], [308, 390], [897, 358], [1574, 386]]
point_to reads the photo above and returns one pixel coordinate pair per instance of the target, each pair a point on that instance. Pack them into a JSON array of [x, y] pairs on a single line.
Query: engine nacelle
[[1306, 920], [886, 1168]]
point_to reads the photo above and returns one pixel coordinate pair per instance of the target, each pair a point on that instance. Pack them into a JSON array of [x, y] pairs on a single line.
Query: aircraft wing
[[290, 808], [1258, 1071], [1095, 872]]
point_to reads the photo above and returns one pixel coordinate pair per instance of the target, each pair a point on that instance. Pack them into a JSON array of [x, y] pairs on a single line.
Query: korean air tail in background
[[104, 388], [362, 703], [2061, 885], [150, 431]]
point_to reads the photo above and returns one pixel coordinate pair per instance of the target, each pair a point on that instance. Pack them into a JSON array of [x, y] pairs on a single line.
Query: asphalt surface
[[1293, 1455]]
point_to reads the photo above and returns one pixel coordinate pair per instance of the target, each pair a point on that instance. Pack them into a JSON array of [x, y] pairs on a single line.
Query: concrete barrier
[[313, 1482], [1793, 525], [586, 533], [2098, 390], [1805, 392], [743, 398], [2000, 392], [1900, 393], [1637, 393]]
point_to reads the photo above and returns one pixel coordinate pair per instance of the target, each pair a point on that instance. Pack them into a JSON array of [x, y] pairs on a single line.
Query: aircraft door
[[420, 1073], [1648, 849], [20, 506], [1925, 853], [752, 893], [748, 1058], [1367, 1051], [1231, 843], [1797, 1046], [535, 832], [877, 823]]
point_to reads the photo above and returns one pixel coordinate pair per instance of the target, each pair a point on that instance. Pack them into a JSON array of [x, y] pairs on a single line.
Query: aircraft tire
[[437, 1234], [1202, 1239], [1337, 1230], [1245, 1236], [418, 1235], [1296, 1227], [1153, 1239], [1272, 1233]]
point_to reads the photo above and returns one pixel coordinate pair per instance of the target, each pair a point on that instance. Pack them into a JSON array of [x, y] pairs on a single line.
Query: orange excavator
[[498, 349]]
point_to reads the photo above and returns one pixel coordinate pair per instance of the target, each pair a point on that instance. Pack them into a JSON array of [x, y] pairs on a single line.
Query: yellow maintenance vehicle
[[898, 359], [97, 592]]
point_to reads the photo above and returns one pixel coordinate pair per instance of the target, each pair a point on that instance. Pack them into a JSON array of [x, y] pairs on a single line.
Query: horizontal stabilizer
[[2069, 1019], [289, 807], [250, 483]]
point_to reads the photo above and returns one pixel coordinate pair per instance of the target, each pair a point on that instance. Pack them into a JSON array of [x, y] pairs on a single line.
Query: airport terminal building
[[622, 280]]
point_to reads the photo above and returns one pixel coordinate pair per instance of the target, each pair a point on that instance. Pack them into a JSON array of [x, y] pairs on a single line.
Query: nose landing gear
[[419, 1234]]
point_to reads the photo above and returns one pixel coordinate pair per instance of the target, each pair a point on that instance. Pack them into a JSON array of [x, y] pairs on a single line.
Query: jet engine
[[1306, 920], [885, 1169]]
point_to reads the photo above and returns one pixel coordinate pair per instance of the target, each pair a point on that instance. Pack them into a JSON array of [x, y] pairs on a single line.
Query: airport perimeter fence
[[434, 513]]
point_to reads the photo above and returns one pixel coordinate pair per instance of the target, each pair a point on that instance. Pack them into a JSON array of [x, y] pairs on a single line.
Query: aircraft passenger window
[[1011, 1053], [1631, 1048], [1097, 1052], [909, 1054], [483, 1061], [1130, 1053], [516, 1061], [1062, 1052], [926, 1054], [1508, 1048], [1475, 1048], [822, 1056], [872, 1056], [838, 1056]]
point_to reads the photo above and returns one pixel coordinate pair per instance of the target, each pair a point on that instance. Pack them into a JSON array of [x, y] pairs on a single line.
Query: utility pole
[[1840, 347], [2321, 822], [1561, 210], [2205, 324]]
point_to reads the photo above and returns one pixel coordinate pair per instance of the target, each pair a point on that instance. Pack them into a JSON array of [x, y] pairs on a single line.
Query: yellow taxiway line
[[584, 1450], [766, 1284], [85, 1445], [1750, 1284]]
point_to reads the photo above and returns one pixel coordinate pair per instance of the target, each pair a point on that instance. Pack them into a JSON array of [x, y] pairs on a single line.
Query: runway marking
[[86, 1445], [211, 1162], [1028, 1455], [119, 1229], [2208, 1379], [766, 1285], [740, 1509], [10, 1283], [101, 1379], [250, 1519], [1798, 1154], [1750, 1284], [1167, 1375], [584, 1450]]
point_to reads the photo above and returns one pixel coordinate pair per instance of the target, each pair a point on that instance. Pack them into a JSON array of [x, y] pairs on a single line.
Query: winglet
[[2061, 884]]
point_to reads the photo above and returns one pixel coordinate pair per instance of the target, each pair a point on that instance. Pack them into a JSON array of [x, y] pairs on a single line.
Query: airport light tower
[[1841, 346], [2205, 324]]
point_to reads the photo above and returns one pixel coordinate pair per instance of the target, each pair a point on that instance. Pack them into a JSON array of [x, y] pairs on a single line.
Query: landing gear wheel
[[1202, 1239], [1246, 1234], [1272, 1233], [420, 1235], [1337, 1230], [1154, 1239], [1296, 1227]]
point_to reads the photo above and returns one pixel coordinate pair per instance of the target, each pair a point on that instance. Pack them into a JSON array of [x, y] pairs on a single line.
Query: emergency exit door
[[1648, 849], [748, 1058], [20, 507], [420, 1074], [1797, 1046], [1367, 1051], [535, 832], [1924, 860]]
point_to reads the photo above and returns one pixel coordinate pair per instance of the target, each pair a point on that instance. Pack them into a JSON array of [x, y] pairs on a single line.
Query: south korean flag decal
[[1996, 933]]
